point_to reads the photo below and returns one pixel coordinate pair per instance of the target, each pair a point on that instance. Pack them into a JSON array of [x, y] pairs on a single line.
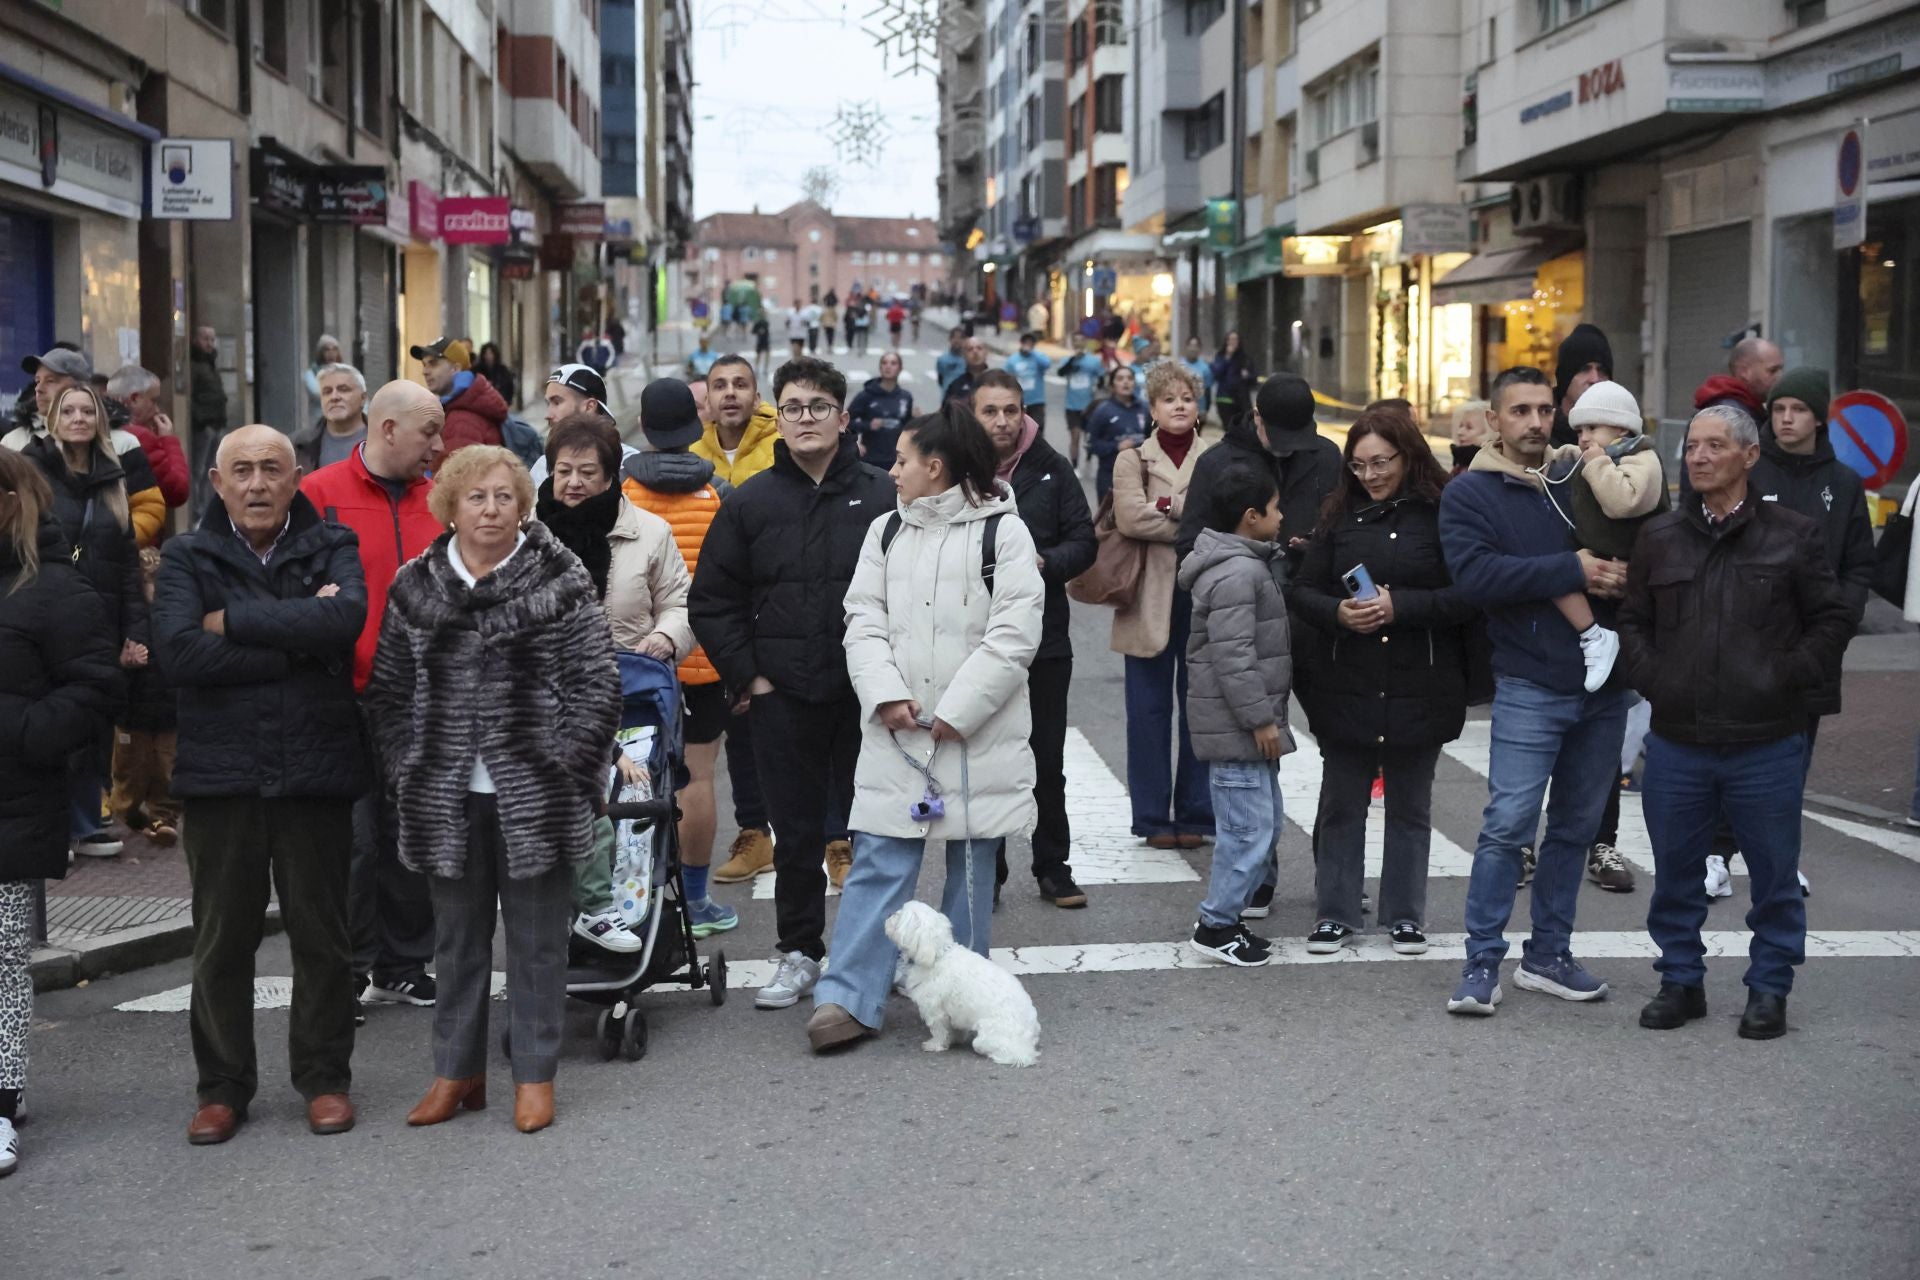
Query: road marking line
[[1898, 842], [1136, 957]]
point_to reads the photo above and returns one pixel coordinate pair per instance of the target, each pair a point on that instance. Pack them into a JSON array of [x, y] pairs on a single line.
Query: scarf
[[1176, 447], [583, 529]]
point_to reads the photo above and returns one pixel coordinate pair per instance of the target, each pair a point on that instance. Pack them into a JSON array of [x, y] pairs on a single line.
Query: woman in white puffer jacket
[[938, 654]]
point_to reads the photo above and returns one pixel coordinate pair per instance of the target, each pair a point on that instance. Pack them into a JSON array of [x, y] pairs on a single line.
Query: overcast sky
[[768, 79]]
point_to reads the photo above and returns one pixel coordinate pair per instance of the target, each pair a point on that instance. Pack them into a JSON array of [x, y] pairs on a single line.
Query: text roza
[[1601, 81]]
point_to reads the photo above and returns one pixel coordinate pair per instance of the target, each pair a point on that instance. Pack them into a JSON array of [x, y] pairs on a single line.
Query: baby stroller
[[648, 844]]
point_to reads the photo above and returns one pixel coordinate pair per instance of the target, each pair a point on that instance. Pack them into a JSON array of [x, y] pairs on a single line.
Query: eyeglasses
[[1376, 467], [818, 410]]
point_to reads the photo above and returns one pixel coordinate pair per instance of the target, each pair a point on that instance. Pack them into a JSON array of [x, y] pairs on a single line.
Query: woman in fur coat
[[493, 702]]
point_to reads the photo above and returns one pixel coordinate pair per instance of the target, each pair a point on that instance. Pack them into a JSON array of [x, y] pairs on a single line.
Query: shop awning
[[1502, 275]]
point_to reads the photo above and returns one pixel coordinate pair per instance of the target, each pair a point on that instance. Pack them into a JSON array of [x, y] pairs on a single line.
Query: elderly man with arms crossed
[[255, 617], [1732, 619]]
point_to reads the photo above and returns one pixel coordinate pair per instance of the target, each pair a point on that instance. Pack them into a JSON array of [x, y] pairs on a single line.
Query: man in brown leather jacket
[[1731, 618]]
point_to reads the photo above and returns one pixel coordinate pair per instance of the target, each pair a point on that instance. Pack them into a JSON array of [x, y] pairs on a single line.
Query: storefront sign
[[1859, 56], [1436, 228], [1850, 189], [1274, 246], [423, 211], [1316, 255], [1893, 148], [1539, 110], [475, 219], [1716, 87], [68, 155], [354, 194], [585, 221], [1602, 81], [1223, 224], [518, 262], [282, 182], [521, 223], [193, 179]]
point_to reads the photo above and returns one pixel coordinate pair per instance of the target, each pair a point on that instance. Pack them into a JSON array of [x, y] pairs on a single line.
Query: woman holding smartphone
[[1389, 667]]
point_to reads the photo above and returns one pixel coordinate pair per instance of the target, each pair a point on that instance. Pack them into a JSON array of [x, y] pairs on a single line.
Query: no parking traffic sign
[[1868, 434]]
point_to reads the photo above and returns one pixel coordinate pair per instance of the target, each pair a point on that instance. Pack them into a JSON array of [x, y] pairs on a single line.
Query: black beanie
[[1285, 402], [1584, 346]]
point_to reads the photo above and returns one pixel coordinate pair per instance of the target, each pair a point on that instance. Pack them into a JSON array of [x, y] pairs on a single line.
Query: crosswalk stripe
[[1300, 773], [1136, 957]]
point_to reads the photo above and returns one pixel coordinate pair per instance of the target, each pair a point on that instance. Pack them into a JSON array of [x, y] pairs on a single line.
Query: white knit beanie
[[1607, 404]]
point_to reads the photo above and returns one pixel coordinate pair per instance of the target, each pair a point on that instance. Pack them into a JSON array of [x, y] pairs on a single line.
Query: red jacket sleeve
[[168, 461]]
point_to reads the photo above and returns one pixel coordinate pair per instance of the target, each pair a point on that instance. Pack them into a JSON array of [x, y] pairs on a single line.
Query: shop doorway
[[1707, 308]]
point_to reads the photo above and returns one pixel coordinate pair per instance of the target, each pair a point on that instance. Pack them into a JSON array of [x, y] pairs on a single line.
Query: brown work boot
[[752, 855], [532, 1106], [839, 861], [213, 1123], [330, 1113], [831, 1027]]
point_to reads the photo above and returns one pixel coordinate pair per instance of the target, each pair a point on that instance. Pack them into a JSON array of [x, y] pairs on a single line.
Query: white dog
[[956, 990]]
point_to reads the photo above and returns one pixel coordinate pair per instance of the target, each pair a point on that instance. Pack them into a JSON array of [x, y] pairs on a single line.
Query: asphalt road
[[1322, 1118]]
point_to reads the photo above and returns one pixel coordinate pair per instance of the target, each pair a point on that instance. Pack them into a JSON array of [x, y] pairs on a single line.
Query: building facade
[[804, 252], [961, 138], [1026, 143]]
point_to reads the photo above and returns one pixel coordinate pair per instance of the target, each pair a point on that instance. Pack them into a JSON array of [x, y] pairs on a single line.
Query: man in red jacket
[[474, 409], [1752, 370], [380, 492], [136, 388]]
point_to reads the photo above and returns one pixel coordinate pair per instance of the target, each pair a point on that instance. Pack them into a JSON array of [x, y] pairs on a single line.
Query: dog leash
[[966, 820]]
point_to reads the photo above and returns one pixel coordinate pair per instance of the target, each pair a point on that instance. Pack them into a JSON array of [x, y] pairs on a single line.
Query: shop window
[[270, 36], [1207, 127]]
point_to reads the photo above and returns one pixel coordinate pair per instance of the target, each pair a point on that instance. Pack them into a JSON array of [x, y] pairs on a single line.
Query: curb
[[58, 968]]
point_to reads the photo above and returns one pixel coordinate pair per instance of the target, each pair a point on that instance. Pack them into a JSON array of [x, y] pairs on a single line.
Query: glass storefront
[[1529, 330]]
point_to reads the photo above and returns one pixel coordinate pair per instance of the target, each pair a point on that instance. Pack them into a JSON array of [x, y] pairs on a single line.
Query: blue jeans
[[1154, 686], [1247, 817], [885, 869], [1572, 740], [1759, 790]]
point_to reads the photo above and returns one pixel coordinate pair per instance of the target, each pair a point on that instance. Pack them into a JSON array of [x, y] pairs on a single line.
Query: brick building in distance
[[804, 250]]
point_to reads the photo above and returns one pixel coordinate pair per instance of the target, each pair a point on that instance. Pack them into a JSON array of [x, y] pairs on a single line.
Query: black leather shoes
[[1674, 1006], [1765, 1018]]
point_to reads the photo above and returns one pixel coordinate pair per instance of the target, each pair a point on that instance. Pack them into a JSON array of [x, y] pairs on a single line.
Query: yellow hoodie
[[755, 453]]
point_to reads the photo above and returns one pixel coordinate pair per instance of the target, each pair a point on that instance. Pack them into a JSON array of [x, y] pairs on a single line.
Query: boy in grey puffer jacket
[[1240, 674]]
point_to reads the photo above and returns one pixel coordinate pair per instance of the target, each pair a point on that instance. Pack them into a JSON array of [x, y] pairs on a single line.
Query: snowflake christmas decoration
[[859, 131], [820, 185], [908, 30]]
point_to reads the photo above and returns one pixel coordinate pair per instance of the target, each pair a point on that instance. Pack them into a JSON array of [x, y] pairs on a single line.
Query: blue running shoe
[[1479, 990], [710, 917], [1559, 976]]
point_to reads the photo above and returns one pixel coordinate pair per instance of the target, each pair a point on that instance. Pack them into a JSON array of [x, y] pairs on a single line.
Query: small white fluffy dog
[[956, 990]]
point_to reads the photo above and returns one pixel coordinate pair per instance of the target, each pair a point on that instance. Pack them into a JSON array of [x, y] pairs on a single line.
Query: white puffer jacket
[[921, 625]]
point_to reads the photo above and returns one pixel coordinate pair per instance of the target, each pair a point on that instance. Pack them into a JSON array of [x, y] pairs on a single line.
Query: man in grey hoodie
[[1240, 674]]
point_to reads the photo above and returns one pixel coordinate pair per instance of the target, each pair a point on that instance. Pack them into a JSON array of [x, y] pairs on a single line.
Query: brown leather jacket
[[1728, 630]]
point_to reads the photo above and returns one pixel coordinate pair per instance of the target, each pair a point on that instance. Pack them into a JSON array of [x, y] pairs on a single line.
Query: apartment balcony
[[545, 141]]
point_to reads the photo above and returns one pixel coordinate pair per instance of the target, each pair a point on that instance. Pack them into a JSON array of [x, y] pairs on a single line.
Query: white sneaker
[[1719, 883], [794, 978], [1599, 648], [609, 931], [9, 1148], [100, 844], [1806, 890]]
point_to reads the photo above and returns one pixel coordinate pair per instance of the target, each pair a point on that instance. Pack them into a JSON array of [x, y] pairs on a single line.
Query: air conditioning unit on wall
[[1551, 203]]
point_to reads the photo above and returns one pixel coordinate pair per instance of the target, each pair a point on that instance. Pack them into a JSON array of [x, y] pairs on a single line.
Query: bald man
[[974, 351], [1752, 369], [255, 615], [380, 492]]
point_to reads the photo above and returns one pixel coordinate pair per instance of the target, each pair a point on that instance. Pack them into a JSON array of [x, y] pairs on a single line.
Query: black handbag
[[1891, 557]]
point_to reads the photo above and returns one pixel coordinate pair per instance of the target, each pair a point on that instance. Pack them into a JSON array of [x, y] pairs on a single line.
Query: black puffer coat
[[1053, 506], [268, 708], [107, 557], [1406, 684], [59, 680], [770, 595], [517, 671]]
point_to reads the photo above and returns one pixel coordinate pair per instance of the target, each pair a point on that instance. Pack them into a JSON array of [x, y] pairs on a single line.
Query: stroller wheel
[[633, 1037], [608, 1030], [717, 978]]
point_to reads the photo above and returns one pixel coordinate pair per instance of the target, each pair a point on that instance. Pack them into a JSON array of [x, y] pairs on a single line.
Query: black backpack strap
[[988, 537], [888, 534]]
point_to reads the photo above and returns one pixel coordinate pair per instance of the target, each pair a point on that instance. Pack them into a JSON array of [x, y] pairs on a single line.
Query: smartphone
[[1359, 583]]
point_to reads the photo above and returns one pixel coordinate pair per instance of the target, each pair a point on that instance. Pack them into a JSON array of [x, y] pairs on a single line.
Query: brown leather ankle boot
[[448, 1096], [532, 1106]]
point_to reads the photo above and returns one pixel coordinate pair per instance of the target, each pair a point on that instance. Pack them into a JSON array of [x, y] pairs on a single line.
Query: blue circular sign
[[1850, 162], [1869, 434]]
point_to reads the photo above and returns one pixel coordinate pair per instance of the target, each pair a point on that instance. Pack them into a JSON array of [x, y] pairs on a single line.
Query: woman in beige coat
[[1172, 807], [642, 579]]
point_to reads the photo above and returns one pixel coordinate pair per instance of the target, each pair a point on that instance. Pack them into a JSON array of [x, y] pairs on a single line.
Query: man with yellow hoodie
[[738, 440]]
